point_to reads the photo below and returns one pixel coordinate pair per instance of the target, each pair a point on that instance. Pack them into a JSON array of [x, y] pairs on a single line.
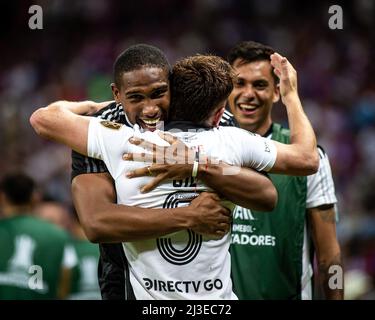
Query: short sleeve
[[320, 186], [82, 164], [108, 141], [257, 152]]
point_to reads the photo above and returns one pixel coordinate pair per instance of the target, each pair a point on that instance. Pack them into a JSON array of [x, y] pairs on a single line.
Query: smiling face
[[253, 95], [145, 96]]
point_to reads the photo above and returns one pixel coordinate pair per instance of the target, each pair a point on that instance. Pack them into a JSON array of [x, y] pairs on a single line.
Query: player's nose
[[151, 111]]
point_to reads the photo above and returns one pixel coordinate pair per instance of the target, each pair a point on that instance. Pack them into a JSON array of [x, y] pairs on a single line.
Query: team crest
[[111, 125]]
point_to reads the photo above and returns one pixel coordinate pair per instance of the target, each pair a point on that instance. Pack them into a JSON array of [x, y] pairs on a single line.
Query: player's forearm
[[302, 135], [331, 276], [81, 107], [94, 198], [59, 124], [119, 223], [241, 186]]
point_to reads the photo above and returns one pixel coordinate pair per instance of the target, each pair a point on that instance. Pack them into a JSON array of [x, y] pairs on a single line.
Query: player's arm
[[323, 225], [320, 202], [247, 188], [104, 221], [86, 108], [244, 187], [300, 157], [56, 122]]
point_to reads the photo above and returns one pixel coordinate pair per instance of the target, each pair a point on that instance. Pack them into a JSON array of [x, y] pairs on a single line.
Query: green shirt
[[84, 285], [31, 258], [267, 247]]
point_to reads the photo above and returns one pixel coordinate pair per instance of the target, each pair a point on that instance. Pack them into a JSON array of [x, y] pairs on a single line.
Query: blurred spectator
[[83, 279], [84, 285], [34, 253]]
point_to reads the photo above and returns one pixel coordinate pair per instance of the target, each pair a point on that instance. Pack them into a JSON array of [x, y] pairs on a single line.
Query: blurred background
[[71, 58]]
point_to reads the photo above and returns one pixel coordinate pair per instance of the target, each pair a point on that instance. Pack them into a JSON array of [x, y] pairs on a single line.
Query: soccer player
[[271, 251], [35, 254], [189, 265], [83, 284]]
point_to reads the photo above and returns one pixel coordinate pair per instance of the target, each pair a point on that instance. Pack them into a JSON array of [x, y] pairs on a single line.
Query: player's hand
[[176, 153], [287, 75], [209, 217], [161, 172]]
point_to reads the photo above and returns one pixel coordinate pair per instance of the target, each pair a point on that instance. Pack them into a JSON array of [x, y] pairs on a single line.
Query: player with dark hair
[[35, 254], [142, 97], [273, 259], [189, 265]]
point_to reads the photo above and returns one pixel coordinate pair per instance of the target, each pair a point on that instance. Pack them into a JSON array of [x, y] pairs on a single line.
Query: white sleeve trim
[[320, 186]]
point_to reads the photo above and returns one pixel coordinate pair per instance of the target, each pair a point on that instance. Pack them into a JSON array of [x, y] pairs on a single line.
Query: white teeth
[[247, 107], [151, 122]]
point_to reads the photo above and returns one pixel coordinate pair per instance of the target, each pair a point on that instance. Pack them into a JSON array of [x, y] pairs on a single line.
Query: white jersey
[[182, 265]]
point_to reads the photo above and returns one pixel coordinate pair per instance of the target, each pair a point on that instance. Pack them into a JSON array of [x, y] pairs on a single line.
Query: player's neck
[[260, 129]]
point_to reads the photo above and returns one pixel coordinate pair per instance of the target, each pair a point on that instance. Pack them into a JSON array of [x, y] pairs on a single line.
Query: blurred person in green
[[83, 283], [272, 252], [35, 254]]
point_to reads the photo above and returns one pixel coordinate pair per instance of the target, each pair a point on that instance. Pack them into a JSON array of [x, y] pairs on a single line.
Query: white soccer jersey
[[182, 265]]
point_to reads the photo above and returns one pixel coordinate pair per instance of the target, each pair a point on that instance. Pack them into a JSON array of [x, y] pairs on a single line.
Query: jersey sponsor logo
[[253, 240], [183, 286], [242, 214], [191, 245], [111, 125], [243, 233]]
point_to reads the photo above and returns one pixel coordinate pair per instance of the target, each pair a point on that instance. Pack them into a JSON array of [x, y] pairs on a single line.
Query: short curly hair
[[139, 56]]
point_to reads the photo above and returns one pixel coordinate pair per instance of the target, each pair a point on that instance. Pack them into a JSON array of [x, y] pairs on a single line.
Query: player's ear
[[217, 116], [115, 92]]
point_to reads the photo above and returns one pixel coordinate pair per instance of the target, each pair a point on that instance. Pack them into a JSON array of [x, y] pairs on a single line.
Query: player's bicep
[[288, 160], [91, 193], [76, 134], [323, 230], [58, 124]]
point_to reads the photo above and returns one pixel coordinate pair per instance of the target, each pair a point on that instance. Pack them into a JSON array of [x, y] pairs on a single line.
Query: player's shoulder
[[114, 112], [110, 124], [235, 131], [228, 120], [107, 111]]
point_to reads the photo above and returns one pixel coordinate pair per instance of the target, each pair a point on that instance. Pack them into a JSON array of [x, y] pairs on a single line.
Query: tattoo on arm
[[327, 214]]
